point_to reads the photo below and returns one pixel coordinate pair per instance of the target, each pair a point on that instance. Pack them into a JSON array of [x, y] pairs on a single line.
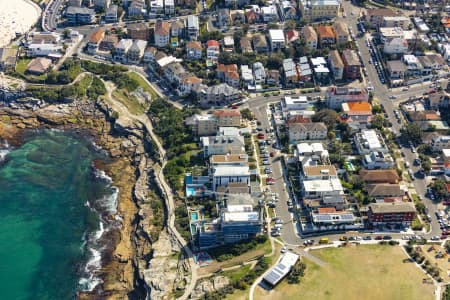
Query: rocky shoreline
[[145, 262]]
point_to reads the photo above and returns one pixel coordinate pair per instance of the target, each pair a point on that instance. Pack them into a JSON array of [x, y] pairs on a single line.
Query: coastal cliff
[[145, 262]]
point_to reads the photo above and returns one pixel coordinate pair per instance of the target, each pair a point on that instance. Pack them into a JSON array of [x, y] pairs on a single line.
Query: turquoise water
[[47, 232], [194, 216]]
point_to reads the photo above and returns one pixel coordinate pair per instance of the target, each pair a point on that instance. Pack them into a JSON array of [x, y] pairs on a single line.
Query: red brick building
[[395, 213], [352, 65]]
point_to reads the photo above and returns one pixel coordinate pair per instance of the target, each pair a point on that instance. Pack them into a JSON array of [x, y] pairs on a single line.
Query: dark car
[[387, 237], [367, 238]]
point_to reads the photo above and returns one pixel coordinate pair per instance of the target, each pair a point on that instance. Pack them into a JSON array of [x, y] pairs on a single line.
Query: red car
[[260, 136], [378, 237]]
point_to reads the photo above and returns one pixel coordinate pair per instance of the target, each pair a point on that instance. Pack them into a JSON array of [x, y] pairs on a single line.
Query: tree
[[327, 116], [275, 61], [439, 188], [412, 132], [247, 114], [426, 165], [378, 121], [376, 109]]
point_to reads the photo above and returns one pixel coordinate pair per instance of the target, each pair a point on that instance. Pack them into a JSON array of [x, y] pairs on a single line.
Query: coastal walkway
[[167, 191]]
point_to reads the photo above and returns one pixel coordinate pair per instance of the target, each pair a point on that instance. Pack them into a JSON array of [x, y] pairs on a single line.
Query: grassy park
[[356, 272]]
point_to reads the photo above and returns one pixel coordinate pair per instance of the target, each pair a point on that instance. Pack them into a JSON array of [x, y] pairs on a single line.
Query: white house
[[224, 175], [396, 46], [259, 73], [276, 39]]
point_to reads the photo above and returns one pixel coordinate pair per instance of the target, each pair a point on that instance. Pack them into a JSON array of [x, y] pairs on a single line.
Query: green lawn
[[129, 101], [356, 272], [22, 65], [142, 83]]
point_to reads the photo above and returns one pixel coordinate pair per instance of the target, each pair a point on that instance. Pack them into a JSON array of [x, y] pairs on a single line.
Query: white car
[[284, 249]]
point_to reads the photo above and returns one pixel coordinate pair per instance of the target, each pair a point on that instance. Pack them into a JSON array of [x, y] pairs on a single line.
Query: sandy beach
[[16, 16]]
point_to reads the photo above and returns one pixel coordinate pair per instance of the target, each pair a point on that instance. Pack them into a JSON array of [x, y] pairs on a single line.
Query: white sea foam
[[91, 280], [3, 153]]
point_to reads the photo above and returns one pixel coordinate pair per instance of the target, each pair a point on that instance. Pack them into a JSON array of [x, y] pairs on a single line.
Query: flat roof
[[323, 185], [319, 170], [283, 267], [241, 217], [231, 171], [371, 138], [276, 34]]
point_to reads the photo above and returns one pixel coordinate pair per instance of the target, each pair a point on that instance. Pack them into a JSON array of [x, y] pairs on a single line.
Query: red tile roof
[[227, 113]]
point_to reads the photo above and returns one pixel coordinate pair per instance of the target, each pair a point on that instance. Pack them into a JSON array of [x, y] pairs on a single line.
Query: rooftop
[[321, 170], [394, 207]]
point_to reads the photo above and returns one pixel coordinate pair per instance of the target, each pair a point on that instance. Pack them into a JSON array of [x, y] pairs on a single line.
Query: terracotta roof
[[97, 36], [298, 119], [325, 31], [194, 45], [292, 35], [227, 68], [387, 176], [227, 113], [212, 43], [138, 26], [326, 210], [162, 28], [250, 15], [341, 28], [448, 187], [359, 106], [192, 79]]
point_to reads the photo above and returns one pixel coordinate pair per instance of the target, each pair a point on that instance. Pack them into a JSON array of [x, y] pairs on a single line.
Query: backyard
[[375, 271]]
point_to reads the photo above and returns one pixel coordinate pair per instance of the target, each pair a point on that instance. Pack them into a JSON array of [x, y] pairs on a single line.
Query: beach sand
[[16, 16]]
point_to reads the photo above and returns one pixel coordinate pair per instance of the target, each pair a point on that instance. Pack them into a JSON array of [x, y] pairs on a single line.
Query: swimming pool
[[194, 216]]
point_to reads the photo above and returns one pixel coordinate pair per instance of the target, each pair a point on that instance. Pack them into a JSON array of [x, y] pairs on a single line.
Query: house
[[307, 131], [352, 65], [289, 103], [328, 191], [413, 66], [396, 72], [369, 140], [273, 77], [188, 84], [396, 21], [246, 75], [336, 64], [236, 3], [38, 66], [318, 10], [319, 172], [192, 27], [80, 15], [169, 7], [379, 176], [223, 175], [76, 3], [288, 10], [341, 32], [395, 213], [304, 69], [111, 14], [220, 94], [246, 45], [228, 117], [310, 36], [8, 57], [137, 9], [321, 70], [252, 16], [228, 43], [223, 18], [290, 71], [149, 55], [395, 46], [136, 51], [292, 35], [238, 160], [260, 44], [101, 5], [440, 142], [335, 96], [326, 35], [227, 141], [388, 33], [108, 43], [177, 28], [203, 124], [357, 112], [44, 49], [237, 17], [194, 50], [431, 63], [174, 72], [212, 50], [94, 41], [276, 38], [162, 33], [122, 48], [259, 73], [378, 160], [228, 74], [269, 13], [138, 31], [375, 16]]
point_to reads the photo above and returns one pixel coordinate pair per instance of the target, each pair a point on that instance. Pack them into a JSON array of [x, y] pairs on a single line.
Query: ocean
[[55, 207]]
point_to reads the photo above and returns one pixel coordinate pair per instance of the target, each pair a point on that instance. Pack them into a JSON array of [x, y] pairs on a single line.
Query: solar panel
[[323, 218], [347, 217]]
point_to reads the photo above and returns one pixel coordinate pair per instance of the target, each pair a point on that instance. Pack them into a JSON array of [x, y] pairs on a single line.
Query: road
[[381, 93]]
